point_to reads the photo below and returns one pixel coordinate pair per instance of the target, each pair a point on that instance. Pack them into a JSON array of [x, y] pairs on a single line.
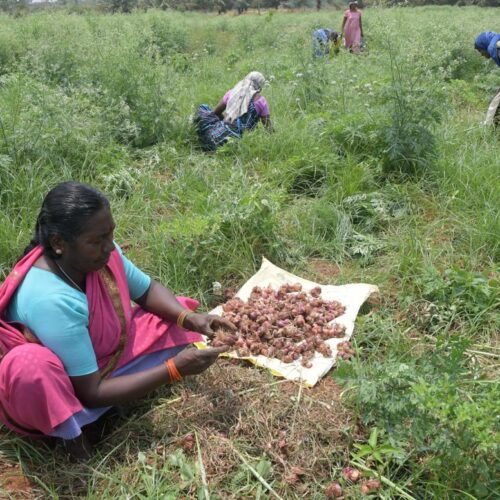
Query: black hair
[[65, 211]]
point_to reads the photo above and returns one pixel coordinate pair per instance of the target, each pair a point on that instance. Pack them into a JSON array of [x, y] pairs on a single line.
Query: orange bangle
[[173, 372], [170, 376], [170, 380], [173, 368], [182, 316]]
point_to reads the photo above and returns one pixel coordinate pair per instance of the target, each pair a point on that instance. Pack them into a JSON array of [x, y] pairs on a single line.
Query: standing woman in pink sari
[[71, 344], [352, 28]]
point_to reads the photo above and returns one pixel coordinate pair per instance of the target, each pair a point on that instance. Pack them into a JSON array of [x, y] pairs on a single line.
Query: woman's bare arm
[[94, 392], [161, 301], [220, 108], [266, 121]]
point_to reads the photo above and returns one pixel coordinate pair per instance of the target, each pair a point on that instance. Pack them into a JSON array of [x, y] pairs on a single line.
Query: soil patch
[[13, 482], [323, 270]]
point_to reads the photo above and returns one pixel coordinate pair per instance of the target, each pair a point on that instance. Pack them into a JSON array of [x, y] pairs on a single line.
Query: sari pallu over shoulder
[[16, 338], [33, 402], [110, 312], [11, 334], [121, 332]]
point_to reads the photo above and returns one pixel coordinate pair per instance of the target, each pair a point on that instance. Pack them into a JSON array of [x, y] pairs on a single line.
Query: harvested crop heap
[[286, 324]]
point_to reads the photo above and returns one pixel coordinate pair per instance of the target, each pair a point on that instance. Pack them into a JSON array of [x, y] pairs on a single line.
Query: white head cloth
[[242, 94]]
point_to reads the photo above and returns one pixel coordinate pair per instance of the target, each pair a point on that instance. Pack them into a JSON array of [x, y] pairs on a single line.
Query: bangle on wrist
[[182, 317], [173, 373]]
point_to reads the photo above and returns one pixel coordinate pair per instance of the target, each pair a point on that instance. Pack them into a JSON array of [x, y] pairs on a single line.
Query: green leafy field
[[378, 171]]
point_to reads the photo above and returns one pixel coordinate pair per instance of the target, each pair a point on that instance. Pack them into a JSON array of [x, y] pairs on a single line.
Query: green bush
[[456, 297], [220, 232], [421, 401]]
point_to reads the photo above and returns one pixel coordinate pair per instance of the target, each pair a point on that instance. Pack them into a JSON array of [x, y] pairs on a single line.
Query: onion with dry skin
[[287, 324], [351, 474], [369, 486], [345, 350], [187, 442], [224, 338], [334, 491]]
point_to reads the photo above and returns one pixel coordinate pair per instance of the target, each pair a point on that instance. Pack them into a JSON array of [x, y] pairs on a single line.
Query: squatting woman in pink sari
[[352, 27], [71, 343]]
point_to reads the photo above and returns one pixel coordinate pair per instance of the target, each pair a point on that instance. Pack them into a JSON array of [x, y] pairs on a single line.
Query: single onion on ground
[[287, 324], [369, 486], [334, 491], [351, 474]]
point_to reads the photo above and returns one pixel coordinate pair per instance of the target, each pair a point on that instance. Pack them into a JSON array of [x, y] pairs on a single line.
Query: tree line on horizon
[[222, 6]]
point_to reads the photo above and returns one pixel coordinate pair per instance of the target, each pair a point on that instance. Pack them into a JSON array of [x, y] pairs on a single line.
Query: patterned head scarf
[[242, 95], [488, 42]]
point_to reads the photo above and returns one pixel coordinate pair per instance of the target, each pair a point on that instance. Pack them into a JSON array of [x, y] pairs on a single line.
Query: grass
[[378, 171]]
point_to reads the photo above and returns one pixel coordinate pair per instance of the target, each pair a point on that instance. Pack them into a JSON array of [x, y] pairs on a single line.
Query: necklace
[[68, 277]]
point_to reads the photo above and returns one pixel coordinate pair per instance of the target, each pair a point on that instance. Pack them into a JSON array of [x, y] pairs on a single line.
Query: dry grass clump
[[234, 409]]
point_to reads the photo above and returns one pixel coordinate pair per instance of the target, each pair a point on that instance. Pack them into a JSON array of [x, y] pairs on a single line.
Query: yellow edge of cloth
[[253, 361]]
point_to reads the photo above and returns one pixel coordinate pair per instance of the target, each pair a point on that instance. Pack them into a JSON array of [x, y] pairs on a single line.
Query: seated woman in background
[[240, 109], [322, 39], [352, 28], [488, 44], [71, 344]]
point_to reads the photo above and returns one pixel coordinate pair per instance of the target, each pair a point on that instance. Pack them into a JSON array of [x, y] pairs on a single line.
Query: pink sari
[[352, 29], [36, 394]]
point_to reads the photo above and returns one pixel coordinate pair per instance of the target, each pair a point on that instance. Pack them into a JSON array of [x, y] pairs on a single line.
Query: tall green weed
[[424, 403]]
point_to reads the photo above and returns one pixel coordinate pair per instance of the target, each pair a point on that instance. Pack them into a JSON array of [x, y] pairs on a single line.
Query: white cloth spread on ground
[[351, 296]]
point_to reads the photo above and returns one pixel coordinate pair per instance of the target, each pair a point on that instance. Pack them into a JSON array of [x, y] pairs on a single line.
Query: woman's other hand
[[220, 108], [266, 121], [192, 361], [207, 324]]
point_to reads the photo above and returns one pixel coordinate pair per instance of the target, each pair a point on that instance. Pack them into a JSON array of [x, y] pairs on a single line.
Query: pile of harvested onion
[[287, 324]]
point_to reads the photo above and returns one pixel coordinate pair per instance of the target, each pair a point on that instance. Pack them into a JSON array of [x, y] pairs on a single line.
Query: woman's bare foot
[[79, 449]]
